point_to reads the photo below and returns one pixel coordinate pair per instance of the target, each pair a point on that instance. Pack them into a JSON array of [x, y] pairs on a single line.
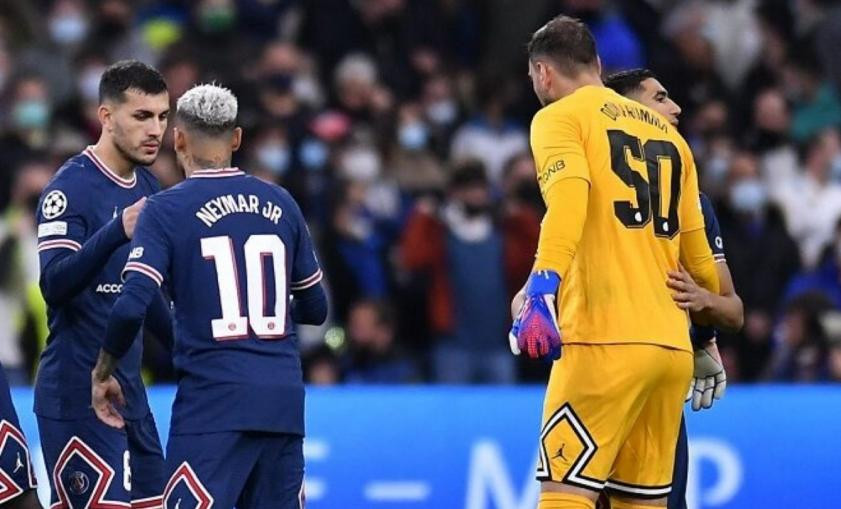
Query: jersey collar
[[216, 173], [127, 183]]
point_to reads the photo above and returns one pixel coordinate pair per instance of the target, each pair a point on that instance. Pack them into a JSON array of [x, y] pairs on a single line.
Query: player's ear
[[179, 142], [599, 65], [236, 139], [105, 116]]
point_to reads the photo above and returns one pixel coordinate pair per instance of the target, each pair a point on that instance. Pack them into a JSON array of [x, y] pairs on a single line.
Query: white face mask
[[748, 196], [68, 28], [274, 156], [361, 164], [442, 112]]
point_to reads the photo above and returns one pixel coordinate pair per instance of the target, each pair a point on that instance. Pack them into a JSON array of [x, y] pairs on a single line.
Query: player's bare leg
[[28, 500], [555, 495], [619, 502]]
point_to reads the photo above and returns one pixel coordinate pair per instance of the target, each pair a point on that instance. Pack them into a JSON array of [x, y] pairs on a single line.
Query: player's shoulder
[[578, 106], [72, 175], [706, 206]]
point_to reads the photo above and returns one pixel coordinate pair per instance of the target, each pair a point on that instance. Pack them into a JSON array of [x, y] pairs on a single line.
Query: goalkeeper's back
[[643, 195]]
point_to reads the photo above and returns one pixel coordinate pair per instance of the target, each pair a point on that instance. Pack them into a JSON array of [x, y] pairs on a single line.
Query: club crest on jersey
[[135, 253], [54, 204], [78, 483]]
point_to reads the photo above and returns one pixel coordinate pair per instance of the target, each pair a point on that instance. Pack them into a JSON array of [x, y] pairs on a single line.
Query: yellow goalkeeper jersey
[[643, 192]]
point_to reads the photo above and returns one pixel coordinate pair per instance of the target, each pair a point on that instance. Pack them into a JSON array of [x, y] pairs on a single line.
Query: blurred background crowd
[[401, 126]]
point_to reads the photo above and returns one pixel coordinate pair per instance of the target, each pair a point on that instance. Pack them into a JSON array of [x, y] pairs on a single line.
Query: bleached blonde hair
[[208, 108]]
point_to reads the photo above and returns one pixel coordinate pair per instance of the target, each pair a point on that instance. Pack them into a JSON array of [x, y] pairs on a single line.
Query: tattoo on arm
[[105, 366]]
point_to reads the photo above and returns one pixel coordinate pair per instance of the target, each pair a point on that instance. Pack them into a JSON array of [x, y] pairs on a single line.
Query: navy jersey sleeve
[[151, 247], [305, 269], [701, 334], [143, 274], [70, 255], [712, 229]]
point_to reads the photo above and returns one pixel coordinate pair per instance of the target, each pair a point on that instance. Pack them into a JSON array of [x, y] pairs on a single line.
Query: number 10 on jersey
[[232, 324]]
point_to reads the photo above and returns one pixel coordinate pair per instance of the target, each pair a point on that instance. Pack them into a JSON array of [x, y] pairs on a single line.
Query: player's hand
[[710, 380], [130, 215], [535, 329], [687, 293], [106, 396]]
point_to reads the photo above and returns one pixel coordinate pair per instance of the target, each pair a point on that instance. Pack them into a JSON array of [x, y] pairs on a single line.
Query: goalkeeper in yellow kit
[[621, 191]]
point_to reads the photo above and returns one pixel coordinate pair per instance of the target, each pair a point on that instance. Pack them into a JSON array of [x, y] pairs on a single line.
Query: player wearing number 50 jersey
[[233, 250], [621, 191]]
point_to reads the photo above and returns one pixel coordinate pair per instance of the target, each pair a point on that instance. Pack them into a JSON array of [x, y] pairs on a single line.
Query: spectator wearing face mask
[[459, 247], [270, 154], [415, 168], [27, 128], [762, 258], [811, 202]]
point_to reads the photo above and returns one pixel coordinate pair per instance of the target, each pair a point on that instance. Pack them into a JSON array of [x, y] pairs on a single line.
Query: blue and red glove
[[535, 330]]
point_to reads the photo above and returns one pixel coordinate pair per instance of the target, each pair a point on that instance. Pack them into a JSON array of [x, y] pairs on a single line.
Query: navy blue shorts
[[246, 469], [677, 497], [91, 464], [16, 474]]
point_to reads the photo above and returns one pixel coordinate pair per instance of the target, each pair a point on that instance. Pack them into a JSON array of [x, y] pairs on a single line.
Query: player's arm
[[695, 253], [70, 259], [564, 178], [723, 310], [159, 320], [143, 273], [309, 301]]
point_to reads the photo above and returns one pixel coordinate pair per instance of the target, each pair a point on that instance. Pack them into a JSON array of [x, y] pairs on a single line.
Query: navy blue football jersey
[[232, 249], [84, 197], [712, 229], [703, 333]]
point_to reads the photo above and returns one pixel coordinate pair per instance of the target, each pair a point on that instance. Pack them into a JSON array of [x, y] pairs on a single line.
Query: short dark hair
[[623, 82], [567, 42], [129, 74]]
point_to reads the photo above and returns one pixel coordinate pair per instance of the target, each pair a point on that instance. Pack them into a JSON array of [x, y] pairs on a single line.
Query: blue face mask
[[748, 196], [313, 154], [274, 157], [30, 114], [412, 136], [68, 29]]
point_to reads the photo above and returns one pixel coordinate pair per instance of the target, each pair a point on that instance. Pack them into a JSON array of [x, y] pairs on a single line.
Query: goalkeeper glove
[[535, 329], [710, 380]]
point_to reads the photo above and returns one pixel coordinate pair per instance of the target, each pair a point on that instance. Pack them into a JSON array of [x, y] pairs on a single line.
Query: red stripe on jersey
[[101, 166]]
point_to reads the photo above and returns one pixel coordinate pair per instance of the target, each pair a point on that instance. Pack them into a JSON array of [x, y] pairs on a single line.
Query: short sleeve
[[558, 147], [61, 220], [150, 251], [691, 212], [712, 229], [306, 271]]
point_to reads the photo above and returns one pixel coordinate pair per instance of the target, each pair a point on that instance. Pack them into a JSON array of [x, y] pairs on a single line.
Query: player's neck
[[584, 79], [202, 162], [113, 159]]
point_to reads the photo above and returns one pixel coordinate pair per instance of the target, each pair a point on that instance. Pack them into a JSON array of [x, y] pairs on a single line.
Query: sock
[[559, 500]]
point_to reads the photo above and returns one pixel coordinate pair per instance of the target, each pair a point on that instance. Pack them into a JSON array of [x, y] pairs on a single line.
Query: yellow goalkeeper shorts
[[611, 417]]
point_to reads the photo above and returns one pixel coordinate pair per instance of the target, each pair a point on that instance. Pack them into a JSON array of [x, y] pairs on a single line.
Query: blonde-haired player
[[621, 191]]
